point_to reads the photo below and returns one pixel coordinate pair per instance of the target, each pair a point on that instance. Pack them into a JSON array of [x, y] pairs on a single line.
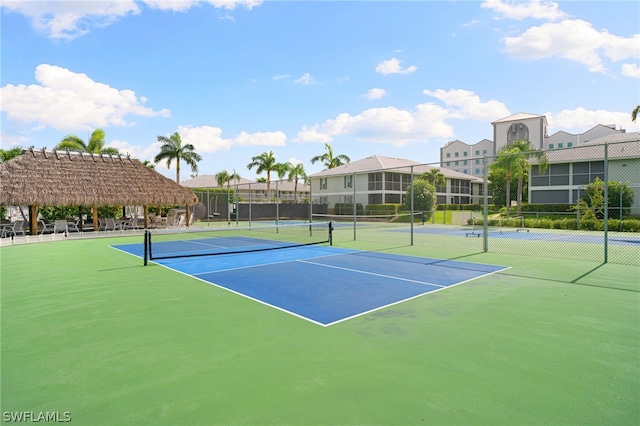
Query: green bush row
[[625, 225], [373, 209]]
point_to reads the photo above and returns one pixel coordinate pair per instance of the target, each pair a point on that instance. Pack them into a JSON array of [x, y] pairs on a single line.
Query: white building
[[464, 158], [383, 180]]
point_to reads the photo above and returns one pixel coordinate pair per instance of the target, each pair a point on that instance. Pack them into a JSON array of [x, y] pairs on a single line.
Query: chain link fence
[[580, 203]]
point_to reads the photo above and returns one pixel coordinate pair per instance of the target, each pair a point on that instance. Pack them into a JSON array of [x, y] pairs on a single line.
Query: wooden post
[[33, 220], [187, 213], [146, 217], [94, 209]]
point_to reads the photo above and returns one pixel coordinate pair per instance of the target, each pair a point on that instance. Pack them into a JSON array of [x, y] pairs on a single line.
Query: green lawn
[[88, 330]]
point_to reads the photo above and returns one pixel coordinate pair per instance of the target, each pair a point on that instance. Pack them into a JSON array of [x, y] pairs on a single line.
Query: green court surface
[[87, 330]]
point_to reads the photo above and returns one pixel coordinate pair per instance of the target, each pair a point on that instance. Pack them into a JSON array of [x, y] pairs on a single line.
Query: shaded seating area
[[59, 178], [13, 229]]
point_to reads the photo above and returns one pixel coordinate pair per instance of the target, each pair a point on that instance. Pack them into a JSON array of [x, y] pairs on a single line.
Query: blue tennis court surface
[[323, 284]]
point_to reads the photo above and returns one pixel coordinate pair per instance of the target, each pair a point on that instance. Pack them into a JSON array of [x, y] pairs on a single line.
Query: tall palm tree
[[95, 145], [173, 149], [513, 161], [296, 173], [329, 160], [434, 177], [506, 163], [265, 162], [224, 177], [634, 113]]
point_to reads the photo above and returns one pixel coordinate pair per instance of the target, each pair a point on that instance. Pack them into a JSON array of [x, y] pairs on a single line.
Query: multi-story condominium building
[[464, 158], [569, 171], [381, 180]]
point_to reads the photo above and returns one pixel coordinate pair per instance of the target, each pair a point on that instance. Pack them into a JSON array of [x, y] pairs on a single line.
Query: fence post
[[606, 203], [485, 207]]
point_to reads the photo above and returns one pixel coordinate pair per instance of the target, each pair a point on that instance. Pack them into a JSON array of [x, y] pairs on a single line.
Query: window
[[456, 163], [465, 171], [375, 183], [448, 155], [448, 163], [550, 146], [477, 161], [464, 154], [375, 199], [464, 163], [477, 152], [560, 145], [323, 183], [477, 171], [396, 181], [348, 181], [484, 152], [456, 154], [569, 144]]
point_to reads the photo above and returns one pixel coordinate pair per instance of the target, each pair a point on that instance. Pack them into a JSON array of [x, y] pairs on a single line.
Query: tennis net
[[173, 243]]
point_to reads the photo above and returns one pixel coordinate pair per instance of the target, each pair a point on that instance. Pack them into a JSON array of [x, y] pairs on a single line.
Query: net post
[[330, 232], [146, 246]]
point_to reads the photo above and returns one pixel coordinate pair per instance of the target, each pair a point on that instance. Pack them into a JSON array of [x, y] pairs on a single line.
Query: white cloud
[[261, 139], [403, 126], [631, 70], [375, 93], [70, 101], [392, 66], [305, 79], [521, 10], [581, 119], [311, 134], [280, 77], [208, 139], [385, 125], [141, 153], [466, 104], [574, 40], [66, 20]]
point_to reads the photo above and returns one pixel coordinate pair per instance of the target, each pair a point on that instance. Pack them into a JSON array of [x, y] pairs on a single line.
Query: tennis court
[[324, 285], [373, 331]]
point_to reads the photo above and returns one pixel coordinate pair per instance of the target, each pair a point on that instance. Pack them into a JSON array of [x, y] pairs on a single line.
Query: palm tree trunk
[[508, 195], [178, 170], [268, 187], [519, 210]]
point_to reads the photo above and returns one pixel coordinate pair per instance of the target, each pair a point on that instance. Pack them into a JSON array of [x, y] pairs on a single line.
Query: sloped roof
[[518, 117], [208, 181], [619, 146], [398, 165], [63, 178], [211, 181]]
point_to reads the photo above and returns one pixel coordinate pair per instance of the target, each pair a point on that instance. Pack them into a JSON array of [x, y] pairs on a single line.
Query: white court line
[[372, 273]]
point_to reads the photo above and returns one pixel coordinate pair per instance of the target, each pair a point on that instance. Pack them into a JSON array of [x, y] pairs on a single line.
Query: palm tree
[[173, 149], [8, 154], [95, 145], [513, 161], [265, 162], [634, 113], [224, 177], [434, 177], [329, 160], [295, 173]]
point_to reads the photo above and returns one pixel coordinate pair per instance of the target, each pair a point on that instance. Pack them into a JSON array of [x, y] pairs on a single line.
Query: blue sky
[[237, 78]]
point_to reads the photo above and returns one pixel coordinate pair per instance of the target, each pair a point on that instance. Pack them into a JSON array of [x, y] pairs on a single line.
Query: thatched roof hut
[[63, 178]]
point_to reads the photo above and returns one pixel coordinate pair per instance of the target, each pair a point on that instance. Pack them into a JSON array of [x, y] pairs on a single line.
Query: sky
[[237, 78]]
